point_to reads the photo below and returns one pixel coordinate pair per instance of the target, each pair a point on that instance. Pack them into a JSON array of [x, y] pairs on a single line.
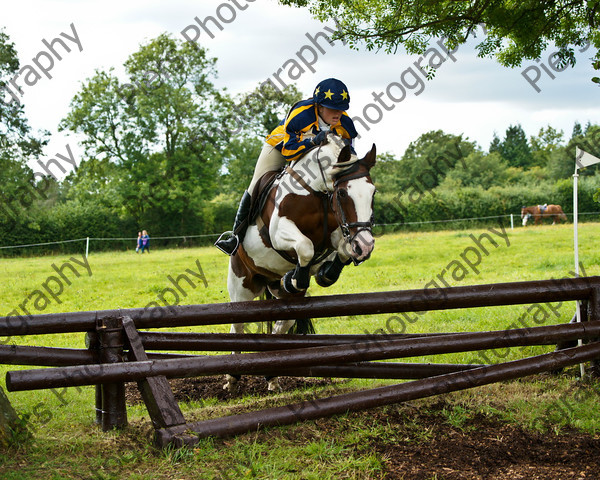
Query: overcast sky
[[470, 96]]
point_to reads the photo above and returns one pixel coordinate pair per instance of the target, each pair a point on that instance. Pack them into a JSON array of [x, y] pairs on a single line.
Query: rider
[[305, 126]]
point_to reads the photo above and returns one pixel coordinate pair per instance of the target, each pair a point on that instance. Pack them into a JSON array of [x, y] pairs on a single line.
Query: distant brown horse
[[538, 212]]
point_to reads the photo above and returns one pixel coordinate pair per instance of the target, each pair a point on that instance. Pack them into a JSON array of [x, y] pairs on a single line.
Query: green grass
[[68, 445]]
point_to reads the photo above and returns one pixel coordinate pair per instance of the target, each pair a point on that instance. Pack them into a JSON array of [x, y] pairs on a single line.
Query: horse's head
[[352, 201], [525, 215]]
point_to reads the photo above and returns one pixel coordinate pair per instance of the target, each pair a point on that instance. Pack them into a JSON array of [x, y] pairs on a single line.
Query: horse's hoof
[[287, 283], [231, 385], [274, 387], [321, 276]]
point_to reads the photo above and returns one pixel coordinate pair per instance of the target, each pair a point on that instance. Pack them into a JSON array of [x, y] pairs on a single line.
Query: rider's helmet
[[332, 93]]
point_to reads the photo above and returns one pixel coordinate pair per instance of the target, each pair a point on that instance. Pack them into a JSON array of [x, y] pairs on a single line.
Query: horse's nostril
[[357, 249]]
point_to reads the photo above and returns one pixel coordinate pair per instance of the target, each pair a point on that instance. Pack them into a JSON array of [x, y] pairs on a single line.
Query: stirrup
[[229, 245]]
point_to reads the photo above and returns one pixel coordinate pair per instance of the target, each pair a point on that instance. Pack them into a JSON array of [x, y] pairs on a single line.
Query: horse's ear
[[370, 157], [345, 154]]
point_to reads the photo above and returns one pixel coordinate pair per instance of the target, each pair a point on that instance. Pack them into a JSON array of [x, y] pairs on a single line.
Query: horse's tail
[[303, 326]]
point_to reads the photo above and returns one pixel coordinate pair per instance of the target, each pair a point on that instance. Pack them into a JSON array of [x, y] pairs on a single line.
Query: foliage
[[479, 169], [169, 152], [428, 159], [514, 31], [144, 139], [454, 200], [240, 158], [547, 141], [515, 148], [17, 143], [258, 112]]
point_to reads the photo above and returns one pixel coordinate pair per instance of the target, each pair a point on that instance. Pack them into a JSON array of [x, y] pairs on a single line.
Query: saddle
[[260, 194]]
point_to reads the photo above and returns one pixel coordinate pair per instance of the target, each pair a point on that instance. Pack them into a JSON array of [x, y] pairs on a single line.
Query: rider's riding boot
[[240, 225]]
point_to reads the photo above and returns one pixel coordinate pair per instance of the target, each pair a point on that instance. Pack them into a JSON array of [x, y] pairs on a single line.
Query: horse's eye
[[343, 193]]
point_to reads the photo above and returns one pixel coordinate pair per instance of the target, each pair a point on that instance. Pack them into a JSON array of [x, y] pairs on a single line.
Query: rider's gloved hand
[[320, 138]]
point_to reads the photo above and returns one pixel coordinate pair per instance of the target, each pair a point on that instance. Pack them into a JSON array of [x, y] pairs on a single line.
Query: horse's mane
[[332, 148]]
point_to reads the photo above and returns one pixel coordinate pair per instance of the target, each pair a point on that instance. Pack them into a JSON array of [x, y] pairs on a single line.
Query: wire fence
[[129, 243]]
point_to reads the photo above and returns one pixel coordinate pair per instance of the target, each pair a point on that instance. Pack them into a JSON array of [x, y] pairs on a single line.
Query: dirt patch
[[202, 388], [428, 447], [425, 444]]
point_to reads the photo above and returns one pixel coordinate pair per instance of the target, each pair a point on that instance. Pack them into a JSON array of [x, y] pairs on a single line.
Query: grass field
[[68, 445]]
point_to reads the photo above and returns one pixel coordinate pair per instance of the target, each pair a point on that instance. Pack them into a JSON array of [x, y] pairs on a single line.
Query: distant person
[[139, 242], [145, 241]]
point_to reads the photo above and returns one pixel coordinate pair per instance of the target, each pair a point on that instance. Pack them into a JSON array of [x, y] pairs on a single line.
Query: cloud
[[473, 96]]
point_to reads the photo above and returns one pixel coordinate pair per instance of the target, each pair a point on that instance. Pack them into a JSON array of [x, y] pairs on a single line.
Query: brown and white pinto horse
[[538, 212], [317, 218]]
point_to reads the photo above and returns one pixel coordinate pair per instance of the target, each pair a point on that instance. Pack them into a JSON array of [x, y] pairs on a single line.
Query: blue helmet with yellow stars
[[332, 93]]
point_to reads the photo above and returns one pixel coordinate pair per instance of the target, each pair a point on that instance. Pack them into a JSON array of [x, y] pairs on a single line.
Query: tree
[[479, 170], [495, 144], [387, 176], [562, 160], [515, 148], [153, 129], [257, 113], [589, 142], [547, 141], [514, 31], [577, 130], [17, 144], [16, 147], [240, 158], [95, 180], [427, 160], [10, 425]]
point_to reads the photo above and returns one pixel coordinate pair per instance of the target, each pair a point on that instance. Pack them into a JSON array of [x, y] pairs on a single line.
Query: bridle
[[340, 216], [346, 175]]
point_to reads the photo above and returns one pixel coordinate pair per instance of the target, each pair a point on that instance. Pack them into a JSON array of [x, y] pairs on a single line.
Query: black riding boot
[[240, 224]]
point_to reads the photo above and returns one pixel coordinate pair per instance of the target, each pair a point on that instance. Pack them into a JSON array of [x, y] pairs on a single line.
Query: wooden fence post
[[111, 337]]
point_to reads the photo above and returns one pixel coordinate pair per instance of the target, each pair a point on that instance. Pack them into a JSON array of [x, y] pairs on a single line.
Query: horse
[[317, 218], [538, 212]]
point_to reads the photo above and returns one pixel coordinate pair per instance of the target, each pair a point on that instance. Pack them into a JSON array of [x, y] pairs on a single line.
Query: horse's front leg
[[285, 236], [330, 271], [297, 280], [238, 292], [231, 380], [281, 327]]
